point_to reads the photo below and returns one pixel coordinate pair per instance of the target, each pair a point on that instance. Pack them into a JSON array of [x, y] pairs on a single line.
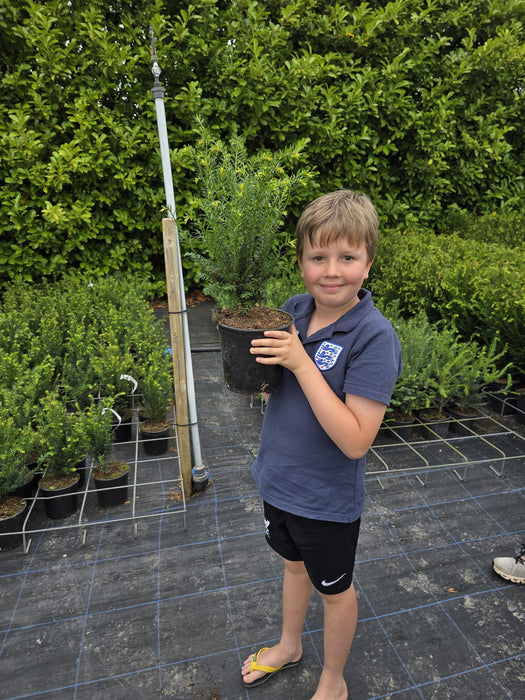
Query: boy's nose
[[332, 268]]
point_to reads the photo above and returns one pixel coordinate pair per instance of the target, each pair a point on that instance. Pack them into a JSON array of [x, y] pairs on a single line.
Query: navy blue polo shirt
[[299, 468]]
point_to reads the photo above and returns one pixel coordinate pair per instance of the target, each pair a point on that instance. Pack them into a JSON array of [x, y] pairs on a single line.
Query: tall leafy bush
[[418, 104], [477, 287]]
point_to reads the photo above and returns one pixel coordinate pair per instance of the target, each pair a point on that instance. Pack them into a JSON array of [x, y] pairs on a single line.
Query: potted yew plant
[[62, 452], [110, 475], [241, 206], [13, 476], [113, 367], [156, 393]]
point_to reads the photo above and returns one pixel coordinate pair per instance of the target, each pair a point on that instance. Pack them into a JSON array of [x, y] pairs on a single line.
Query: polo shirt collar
[[345, 324]]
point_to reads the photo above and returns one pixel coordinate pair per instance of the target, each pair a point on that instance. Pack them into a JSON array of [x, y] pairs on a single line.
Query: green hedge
[[502, 227], [477, 287], [75, 338], [418, 104]]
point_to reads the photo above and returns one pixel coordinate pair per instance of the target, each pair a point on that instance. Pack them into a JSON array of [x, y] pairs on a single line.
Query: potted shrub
[[479, 370], [63, 445], [414, 389], [113, 367], [13, 475], [156, 393], [21, 441], [241, 206], [123, 409], [110, 476]]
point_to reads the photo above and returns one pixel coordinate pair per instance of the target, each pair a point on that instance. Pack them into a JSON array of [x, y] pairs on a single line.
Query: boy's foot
[[511, 568], [260, 666]]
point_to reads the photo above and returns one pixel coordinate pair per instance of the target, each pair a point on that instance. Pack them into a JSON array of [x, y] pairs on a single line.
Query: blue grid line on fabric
[[451, 676], [153, 602], [159, 648], [128, 674], [440, 604], [228, 602], [86, 613], [134, 555], [406, 552], [25, 575], [445, 545], [476, 501], [385, 633]]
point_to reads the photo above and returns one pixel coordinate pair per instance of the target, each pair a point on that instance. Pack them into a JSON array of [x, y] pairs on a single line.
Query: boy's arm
[[352, 424]]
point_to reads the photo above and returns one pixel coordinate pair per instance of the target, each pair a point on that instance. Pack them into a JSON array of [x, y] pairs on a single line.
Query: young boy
[[341, 359]]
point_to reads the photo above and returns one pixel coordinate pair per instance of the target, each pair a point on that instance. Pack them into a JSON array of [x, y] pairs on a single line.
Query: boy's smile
[[334, 273]]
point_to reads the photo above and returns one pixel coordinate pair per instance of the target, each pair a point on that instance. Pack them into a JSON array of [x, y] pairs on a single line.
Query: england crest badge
[[327, 355]]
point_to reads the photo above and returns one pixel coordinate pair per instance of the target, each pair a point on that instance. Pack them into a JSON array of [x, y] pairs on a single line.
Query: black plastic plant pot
[[11, 528], [242, 373], [155, 442], [405, 430], [60, 503], [27, 489], [520, 407], [112, 492], [122, 431]]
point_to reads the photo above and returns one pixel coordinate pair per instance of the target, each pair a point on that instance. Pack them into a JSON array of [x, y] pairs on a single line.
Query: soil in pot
[[112, 484], [60, 495], [155, 437], [12, 513], [241, 372]]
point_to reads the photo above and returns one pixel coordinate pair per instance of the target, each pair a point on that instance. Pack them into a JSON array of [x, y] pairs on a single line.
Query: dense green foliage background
[[419, 104], [477, 287]]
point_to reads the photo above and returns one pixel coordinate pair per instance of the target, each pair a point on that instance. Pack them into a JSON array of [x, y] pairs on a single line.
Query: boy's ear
[[368, 266], [300, 263]]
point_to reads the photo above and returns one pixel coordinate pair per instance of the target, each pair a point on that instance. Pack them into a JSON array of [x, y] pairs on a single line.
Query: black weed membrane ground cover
[[162, 596]]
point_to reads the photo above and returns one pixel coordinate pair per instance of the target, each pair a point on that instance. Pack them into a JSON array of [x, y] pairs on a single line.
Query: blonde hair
[[339, 214]]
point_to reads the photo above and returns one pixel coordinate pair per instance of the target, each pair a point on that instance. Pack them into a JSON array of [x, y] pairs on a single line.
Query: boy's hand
[[280, 348]]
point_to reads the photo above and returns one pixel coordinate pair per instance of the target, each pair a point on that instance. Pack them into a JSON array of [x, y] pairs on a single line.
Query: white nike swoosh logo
[[331, 583]]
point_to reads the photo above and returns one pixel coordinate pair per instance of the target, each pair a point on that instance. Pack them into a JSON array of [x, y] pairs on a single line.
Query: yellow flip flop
[[268, 670]]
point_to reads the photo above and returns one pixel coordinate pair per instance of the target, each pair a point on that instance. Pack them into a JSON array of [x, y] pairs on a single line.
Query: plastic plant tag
[[114, 413], [129, 378]]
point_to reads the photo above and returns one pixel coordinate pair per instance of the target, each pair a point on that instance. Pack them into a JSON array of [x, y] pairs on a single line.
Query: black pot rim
[[261, 330]]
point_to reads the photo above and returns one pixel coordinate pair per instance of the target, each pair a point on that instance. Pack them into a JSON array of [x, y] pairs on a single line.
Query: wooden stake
[[171, 253]]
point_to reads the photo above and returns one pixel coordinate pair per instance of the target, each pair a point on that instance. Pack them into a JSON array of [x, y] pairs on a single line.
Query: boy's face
[[334, 273]]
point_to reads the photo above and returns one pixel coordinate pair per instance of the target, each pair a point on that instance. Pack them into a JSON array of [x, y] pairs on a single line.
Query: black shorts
[[326, 548]]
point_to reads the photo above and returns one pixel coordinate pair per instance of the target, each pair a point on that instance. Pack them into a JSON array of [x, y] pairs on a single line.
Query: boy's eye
[[348, 257]]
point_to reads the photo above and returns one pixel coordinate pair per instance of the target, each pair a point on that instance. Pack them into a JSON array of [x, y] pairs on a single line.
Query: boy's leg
[[297, 591], [340, 620]]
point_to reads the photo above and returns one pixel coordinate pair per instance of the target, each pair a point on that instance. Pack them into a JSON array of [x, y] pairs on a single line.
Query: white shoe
[[511, 568]]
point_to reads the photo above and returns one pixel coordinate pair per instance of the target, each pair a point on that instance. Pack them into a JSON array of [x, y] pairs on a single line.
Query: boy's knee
[[295, 567]]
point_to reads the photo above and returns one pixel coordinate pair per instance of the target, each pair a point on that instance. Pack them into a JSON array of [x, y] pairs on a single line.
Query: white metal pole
[[200, 475]]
